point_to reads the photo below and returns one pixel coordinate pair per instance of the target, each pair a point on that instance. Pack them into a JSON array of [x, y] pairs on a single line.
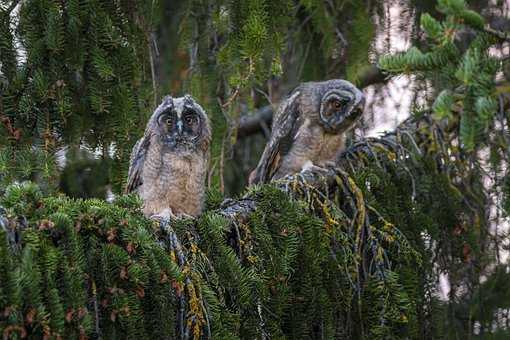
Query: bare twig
[[151, 42], [505, 36]]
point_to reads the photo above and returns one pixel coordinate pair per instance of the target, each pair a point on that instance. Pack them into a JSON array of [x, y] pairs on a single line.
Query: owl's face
[[341, 105], [181, 123]]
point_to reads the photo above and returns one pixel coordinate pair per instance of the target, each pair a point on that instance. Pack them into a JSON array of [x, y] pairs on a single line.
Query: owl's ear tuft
[[188, 99], [167, 100]]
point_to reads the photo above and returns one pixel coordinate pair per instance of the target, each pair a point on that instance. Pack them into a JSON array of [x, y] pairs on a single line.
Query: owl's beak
[[345, 121], [357, 109], [179, 126]]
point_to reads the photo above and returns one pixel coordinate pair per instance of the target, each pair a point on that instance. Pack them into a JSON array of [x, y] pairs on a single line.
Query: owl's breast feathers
[[311, 144], [173, 180]]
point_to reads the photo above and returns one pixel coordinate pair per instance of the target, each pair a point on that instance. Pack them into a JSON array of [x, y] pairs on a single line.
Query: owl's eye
[[337, 104], [168, 121], [189, 119]]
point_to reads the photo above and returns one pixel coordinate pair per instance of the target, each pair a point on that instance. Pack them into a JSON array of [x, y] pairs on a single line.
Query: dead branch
[[251, 124]]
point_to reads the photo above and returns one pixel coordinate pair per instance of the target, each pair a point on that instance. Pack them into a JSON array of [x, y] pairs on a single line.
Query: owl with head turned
[[169, 163], [309, 129]]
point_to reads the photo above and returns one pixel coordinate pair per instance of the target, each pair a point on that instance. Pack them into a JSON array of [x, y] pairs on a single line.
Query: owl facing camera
[[169, 163]]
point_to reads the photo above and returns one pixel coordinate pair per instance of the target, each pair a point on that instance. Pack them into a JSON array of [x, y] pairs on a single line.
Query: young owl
[[169, 163], [308, 131]]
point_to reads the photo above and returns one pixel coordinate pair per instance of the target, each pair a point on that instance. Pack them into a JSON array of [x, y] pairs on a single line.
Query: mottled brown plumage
[[309, 129], [169, 163]]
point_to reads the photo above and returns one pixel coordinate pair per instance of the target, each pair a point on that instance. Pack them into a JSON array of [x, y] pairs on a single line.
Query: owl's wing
[[283, 130], [136, 163]]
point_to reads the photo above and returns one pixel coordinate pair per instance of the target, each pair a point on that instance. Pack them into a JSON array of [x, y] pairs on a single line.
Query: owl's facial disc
[[340, 108], [180, 127]]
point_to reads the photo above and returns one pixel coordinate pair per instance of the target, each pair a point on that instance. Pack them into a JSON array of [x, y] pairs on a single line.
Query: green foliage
[[359, 258], [361, 34], [443, 105], [83, 76], [457, 10], [453, 192], [233, 47], [431, 26], [82, 264], [84, 79], [466, 75], [291, 268], [26, 162], [83, 176], [300, 266]]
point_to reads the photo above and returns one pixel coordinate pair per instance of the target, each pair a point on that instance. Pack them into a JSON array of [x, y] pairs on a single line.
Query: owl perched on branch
[[169, 163], [308, 131]]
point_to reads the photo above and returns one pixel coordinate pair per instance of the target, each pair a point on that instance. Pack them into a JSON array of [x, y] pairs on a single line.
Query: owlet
[[309, 129], [169, 163]]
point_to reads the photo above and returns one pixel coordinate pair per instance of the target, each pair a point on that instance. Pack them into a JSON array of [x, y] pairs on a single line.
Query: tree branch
[[254, 123], [504, 36], [190, 275], [498, 26]]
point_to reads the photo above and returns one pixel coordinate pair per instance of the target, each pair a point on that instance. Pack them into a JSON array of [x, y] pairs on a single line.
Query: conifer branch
[[191, 261]]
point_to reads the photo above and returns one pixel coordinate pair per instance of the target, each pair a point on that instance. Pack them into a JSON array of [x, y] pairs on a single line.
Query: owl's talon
[[320, 170], [183, 216], [309, 166], [164, 216], [330, 164]]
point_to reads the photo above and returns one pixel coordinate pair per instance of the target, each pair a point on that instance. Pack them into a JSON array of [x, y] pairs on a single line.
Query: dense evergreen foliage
[[73, 72], [466, 74], [360, 252], [89, 268], [292, 269]]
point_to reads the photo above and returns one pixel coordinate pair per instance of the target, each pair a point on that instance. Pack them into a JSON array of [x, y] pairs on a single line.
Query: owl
[[309, 128], [169, 163]]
